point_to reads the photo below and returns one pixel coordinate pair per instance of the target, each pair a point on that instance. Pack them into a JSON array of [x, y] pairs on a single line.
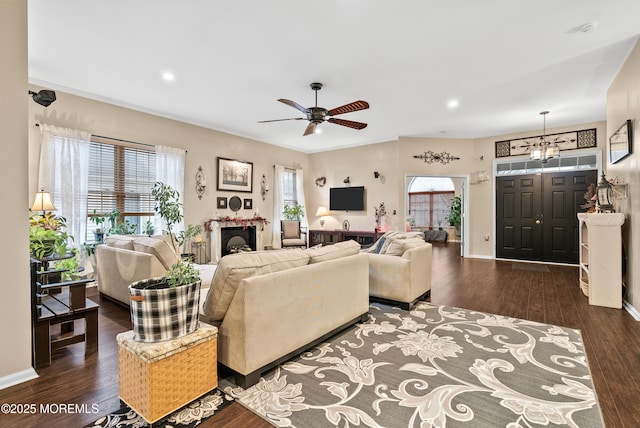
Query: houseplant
[[454, 216], [47, 236], [184, 238], [166, 307], [295, 212], [168, 206]]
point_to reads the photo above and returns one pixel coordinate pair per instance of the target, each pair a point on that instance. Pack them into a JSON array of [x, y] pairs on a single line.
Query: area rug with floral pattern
[[187, 417], [434, 366]]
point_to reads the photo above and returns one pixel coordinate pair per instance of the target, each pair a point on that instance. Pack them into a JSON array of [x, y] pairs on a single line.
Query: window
[[429, 200], [289, 191], [429, 209], [121, 178]]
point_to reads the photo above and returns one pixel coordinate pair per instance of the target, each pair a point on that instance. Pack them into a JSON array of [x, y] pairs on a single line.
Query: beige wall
[[203, 147], [15, 304], [623, 102], [394, 160]]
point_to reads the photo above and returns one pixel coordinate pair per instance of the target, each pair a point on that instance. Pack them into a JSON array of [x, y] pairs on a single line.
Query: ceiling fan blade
[[311, 129], [348, 108], [280, 120], [295, 105], [347, 123]]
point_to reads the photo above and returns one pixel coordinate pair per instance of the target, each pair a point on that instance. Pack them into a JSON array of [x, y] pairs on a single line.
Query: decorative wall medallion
[[235, 203], [431, 157], [320, 182]]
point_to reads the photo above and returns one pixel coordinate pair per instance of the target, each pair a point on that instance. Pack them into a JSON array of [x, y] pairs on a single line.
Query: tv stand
[[327, 237]]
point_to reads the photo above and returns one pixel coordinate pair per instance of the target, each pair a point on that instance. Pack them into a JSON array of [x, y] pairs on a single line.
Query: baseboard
[[479, 256], [633, 311], [18, 377]]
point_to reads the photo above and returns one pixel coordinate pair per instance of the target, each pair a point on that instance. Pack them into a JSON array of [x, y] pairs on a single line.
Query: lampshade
[[544, 150], [322, 211], [42, 202]]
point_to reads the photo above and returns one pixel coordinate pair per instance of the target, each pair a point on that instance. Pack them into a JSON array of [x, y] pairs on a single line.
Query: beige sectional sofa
[[400, 269], [271, 305]]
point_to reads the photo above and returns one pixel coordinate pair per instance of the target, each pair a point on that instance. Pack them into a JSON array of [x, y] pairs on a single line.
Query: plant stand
[[156, 379]]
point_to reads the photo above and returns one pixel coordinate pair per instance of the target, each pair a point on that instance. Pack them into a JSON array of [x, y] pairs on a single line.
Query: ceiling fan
[[316, 115]]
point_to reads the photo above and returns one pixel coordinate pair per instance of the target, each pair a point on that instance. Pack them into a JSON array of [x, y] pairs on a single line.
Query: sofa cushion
[[233, 268], [124, 242], [159, 248], [335, 251]]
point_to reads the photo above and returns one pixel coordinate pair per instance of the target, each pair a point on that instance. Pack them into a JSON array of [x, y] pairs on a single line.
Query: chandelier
[[544, 150]]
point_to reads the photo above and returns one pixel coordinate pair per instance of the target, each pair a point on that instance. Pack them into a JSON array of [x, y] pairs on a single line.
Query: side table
[[155, 379]]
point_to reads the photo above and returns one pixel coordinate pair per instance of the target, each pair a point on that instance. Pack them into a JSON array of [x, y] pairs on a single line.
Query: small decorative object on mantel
[[201, 182], [431, 157], [605, 196], [244, 222]]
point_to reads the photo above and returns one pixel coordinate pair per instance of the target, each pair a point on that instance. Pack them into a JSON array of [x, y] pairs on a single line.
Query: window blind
[[120, 178]]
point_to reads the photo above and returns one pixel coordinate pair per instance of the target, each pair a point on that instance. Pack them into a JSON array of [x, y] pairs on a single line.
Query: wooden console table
[[327, 237]]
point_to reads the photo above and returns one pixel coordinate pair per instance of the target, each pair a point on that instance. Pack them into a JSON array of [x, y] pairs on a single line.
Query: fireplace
[[229, 237], [237, 239]]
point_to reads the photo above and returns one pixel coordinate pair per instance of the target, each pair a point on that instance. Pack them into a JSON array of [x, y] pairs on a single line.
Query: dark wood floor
[[544, 293]]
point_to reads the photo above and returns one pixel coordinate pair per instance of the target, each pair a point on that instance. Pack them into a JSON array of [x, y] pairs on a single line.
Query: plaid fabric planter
[[163, 313]]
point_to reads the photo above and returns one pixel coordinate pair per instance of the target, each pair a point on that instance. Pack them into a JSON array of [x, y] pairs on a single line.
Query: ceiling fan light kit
[[317, 115]]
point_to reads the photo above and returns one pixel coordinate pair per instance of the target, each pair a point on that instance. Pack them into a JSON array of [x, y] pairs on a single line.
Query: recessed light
[[168, 76], [452, 103]]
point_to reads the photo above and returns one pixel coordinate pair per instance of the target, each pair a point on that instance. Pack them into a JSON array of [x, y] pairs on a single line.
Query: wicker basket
[[158, 379]]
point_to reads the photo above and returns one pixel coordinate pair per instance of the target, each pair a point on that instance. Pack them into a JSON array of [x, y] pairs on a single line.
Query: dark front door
[[563, 195], [518, 212], [536, 215]]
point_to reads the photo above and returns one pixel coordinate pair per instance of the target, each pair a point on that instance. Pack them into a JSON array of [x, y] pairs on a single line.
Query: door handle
[[538, 221]]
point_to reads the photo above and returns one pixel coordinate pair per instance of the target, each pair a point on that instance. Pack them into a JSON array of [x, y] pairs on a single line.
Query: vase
[[160, 313]]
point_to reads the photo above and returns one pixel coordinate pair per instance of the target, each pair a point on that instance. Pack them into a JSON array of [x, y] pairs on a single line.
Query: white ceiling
[[503, 60]]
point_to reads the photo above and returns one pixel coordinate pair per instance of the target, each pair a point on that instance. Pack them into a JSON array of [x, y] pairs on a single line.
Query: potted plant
[[98, 220], [454, 217], [166, 307], [184, 238], [148, 228], [47, 236], [295, 212], [167, 206]]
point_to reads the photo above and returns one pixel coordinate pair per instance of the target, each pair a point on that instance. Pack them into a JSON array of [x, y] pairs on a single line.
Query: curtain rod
[[118, 139]]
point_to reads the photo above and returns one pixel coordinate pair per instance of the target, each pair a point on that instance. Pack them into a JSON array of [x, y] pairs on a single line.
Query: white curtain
[[64, 172], [278, 203], [300, 197], [170, 171]]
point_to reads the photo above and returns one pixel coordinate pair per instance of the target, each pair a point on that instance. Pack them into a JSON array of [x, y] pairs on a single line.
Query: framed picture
[[248, 204], [235, 175], [221, 203], [620, 143]]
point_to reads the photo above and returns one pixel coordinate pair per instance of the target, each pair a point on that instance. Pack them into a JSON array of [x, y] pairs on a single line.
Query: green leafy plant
[[295, 212], [47, 236], [148, 228], [182, 272], [191, 232], [126, 228], [70, 267], [167, 205], [454, 217]]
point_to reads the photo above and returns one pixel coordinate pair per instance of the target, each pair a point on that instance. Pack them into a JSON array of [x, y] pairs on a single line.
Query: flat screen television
[[347, 198]]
